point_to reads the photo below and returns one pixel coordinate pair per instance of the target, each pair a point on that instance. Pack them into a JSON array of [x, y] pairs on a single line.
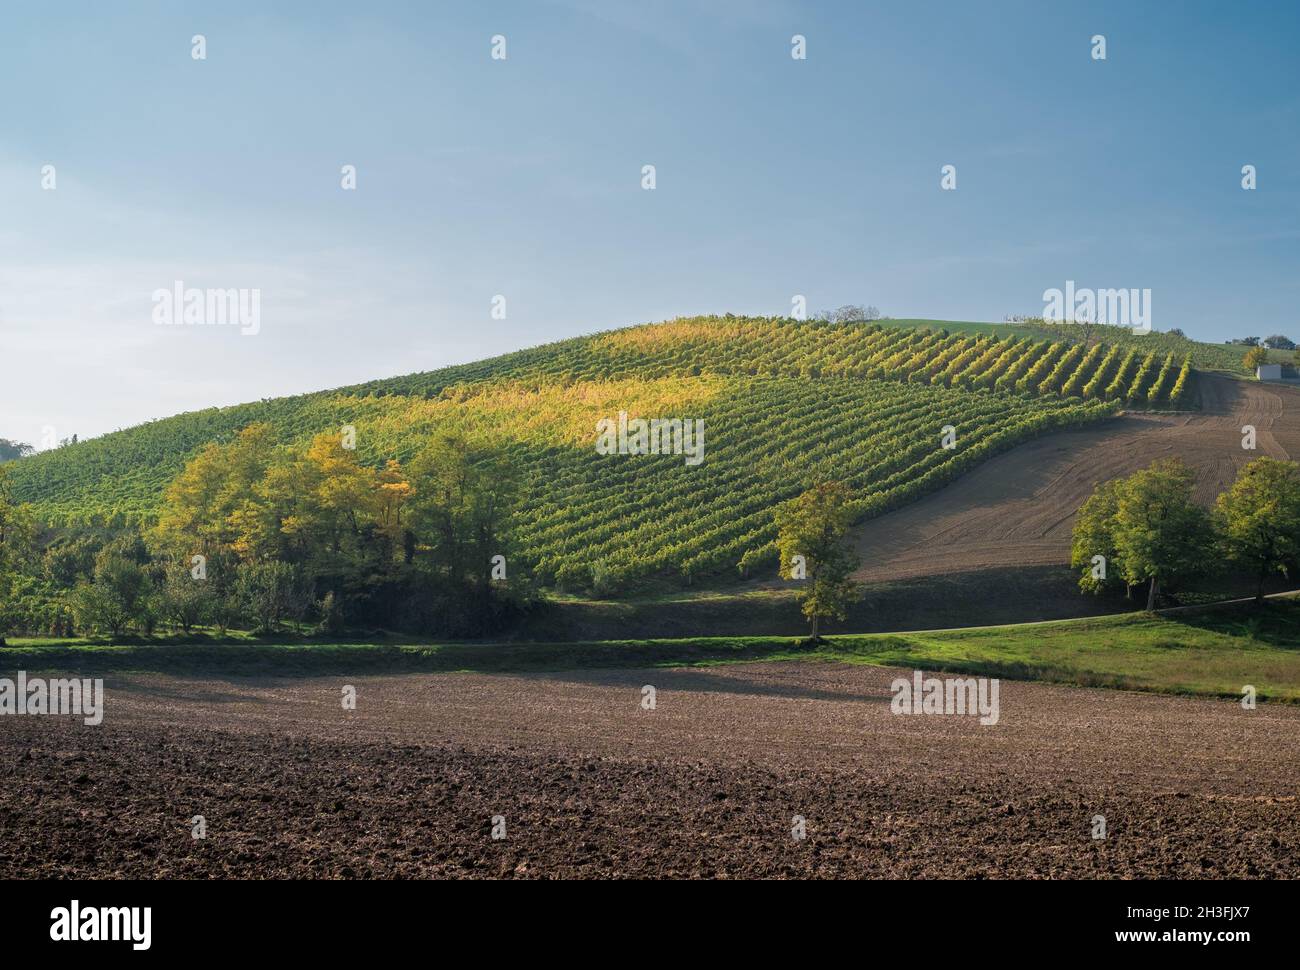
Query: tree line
[[1147, 529], [254, 534]]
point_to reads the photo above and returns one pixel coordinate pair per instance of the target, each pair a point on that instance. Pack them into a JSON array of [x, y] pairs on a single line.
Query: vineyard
[[814, 349], [1223, 358], [784, 404]]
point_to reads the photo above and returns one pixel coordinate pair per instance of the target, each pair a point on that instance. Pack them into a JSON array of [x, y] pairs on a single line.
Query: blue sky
[[522, 177]]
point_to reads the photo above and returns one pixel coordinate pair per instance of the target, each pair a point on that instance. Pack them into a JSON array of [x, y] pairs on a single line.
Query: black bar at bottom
[[332, 919]]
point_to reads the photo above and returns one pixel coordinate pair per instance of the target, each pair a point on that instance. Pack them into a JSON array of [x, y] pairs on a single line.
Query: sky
[[521, 177]]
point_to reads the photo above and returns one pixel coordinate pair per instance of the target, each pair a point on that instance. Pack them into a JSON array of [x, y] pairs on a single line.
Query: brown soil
[[590, 784], [1018, 508]]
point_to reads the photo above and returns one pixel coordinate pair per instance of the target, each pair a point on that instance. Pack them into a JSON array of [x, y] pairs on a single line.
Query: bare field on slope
[[1018, 508]]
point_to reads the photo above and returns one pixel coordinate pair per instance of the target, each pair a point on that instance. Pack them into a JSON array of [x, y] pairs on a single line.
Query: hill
[[783, 404]]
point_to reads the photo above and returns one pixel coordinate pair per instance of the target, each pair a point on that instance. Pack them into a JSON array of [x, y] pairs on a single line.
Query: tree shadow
[[706, 681], [1274, 623]]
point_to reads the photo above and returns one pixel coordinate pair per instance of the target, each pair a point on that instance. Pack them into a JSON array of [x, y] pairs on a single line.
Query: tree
[[94, 611], [67, 562], [200, 507], [1254, 357], [183, 599], [1160, 534], [1094, 535], [223, 579], [1259, 518], [352, 514], [17, 551], [463, 495], [119, 595], [813, 527], [13, 450], [1278, 342], [313, 506], [270, 592], [850, 313], [1176, 332]]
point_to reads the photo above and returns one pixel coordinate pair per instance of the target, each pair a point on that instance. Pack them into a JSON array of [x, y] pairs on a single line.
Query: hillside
[[1018, 508], [783, 402], [1224, 358]]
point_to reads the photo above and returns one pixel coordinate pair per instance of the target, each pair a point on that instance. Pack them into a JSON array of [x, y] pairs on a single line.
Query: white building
[[1268, 372]]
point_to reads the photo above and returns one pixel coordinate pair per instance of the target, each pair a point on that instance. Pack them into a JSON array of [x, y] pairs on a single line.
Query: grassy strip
[[1213, 653]]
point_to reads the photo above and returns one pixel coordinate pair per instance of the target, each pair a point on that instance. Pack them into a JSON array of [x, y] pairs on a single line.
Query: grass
[[1210, 653]]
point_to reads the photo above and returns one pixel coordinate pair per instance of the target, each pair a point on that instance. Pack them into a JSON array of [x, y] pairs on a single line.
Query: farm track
[[592, 785], [1018, 508]]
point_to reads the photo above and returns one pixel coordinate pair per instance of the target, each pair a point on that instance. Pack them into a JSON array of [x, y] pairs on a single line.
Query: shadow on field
[[235, 661], [1271, 623], [705, 681], [185, 695]]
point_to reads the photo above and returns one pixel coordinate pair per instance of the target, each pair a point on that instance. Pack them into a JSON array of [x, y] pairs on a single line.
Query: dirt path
[[591, 784], [1018, 508]]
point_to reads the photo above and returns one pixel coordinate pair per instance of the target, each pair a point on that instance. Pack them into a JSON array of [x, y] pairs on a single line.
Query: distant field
[[1209, 653]]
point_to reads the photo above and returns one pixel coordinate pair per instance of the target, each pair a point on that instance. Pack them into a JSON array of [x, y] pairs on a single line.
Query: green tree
[[813, 527], [119, 595], [270, 592], [463, 494], [1259, 518], [1160, 532], [13, 450], [17, 553], [67, 562], [184, 600], [1094, 535]]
